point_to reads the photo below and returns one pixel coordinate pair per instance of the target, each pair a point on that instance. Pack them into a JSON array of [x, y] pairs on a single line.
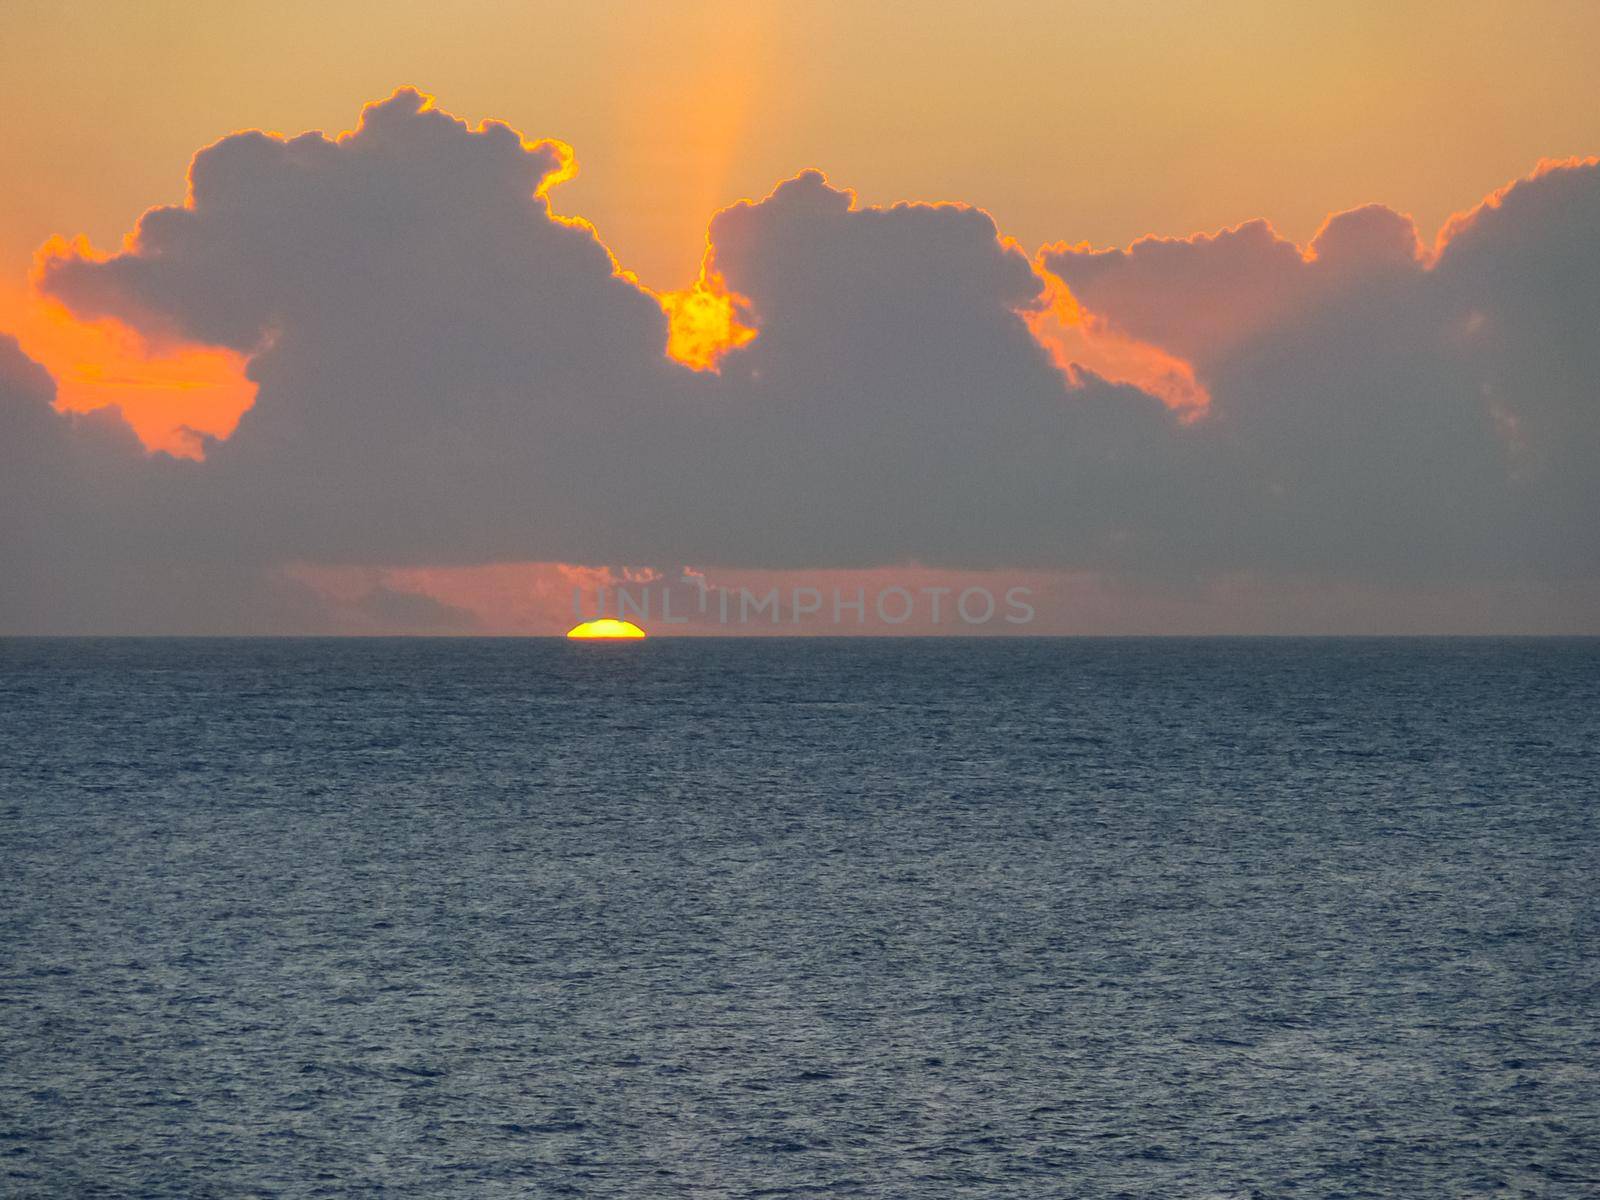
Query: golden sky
[[1067, 121]]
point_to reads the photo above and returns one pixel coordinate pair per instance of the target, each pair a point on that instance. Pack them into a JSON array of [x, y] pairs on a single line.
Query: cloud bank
[[450, 373]]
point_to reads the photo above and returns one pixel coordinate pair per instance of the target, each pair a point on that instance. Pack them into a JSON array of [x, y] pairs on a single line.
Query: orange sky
[[1066, 121]]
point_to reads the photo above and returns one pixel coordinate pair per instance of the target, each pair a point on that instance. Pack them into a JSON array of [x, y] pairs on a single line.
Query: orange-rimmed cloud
[[1461, 222], [1199, 298], [1074, 339]]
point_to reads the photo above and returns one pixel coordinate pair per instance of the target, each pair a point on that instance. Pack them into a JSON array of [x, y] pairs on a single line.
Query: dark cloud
[[1202, 297], [895, 405], [1402, 414], [69, 486], [451, 373], [438, 357]]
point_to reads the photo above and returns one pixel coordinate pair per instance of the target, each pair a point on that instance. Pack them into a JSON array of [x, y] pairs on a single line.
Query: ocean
[[800, 917]]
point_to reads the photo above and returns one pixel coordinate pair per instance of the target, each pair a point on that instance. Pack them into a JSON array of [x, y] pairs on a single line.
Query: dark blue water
[[798, 918]]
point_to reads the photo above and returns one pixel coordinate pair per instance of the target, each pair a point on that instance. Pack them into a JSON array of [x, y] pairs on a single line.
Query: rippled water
[[761, 918]]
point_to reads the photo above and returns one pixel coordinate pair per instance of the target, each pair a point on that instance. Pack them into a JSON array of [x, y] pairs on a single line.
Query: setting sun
[[606, 627]]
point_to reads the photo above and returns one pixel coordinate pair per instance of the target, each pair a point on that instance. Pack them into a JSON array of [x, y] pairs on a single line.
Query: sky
[[1116, 340]]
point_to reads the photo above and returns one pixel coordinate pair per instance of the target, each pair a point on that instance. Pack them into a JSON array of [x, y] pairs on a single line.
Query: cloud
[[1202, 297], [1519, 281], [895, 404], [67, 483], [450, 374], [438, 356], [1407, 414]]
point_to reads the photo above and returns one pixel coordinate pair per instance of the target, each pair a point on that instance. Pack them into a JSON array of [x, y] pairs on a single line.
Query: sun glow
[[606, 627], [1075, 337], [704, 323], [173, 393]]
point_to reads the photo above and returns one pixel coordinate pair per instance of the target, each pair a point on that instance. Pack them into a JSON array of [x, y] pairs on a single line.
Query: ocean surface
[[901, 919]]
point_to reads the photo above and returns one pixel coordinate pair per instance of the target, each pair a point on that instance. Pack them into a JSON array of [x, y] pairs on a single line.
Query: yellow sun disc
[[606, 628]]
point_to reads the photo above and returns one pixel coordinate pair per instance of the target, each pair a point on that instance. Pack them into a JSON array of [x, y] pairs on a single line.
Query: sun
[[606, 627]]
